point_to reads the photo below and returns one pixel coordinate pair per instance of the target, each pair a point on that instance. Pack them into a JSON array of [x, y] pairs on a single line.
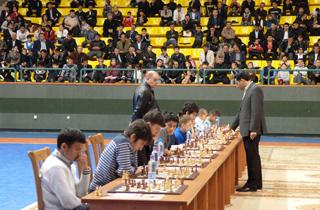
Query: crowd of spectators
[[27, 45]]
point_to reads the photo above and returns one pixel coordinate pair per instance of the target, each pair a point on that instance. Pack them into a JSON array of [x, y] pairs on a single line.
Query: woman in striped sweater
[[121, 154]]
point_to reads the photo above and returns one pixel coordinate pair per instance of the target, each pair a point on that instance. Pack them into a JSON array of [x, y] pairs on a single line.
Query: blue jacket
[[180, 135]]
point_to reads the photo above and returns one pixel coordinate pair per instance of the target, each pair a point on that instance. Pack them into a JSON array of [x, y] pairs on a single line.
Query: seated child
[[200, 121], [180, 134], [121, 154]]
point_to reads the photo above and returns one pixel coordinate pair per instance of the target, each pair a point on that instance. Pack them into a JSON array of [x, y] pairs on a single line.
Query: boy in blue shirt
[[180, 133]]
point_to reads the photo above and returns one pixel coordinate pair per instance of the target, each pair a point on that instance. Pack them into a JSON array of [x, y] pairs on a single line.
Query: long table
[[211, 190]]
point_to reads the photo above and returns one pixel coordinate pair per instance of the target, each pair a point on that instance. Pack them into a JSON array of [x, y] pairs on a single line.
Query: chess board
[[185, 162], [159, 186], [194, 153], [186, 173]]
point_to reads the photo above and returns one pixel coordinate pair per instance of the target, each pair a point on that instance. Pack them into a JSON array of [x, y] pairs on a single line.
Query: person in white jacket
[[300, 73], [283, 75], [207, 55], [61, 188]]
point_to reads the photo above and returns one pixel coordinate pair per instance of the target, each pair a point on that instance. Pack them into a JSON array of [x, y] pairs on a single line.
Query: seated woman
[[121, 154]]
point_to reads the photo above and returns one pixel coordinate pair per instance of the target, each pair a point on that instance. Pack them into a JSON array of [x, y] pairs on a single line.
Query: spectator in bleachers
[[22, 34], [257, 33], [178, 56], [128, 20], [69, 45], [109, 49], [28, 44], [246, 18], [207, 56], [113, 75], [155, 7], [71, 22], [252, 72], [89, 2], [164, 57], [117, 15], [131, 35], [270, 47], [250, 4], [188, 26], [220, 73], [34, 8], [283, 76], [109, 26], [301, 42], [5, 72], [61, 34], [77, 3], [222, 11], [287, 47], [80, 13], [97, 47], [255, 50], [297, 30], [258, 20], [228, 33], [300, 55], [44, 59], [91, 16], [86, 71], [178, 15], [68, 72], [79, 56], [116, 54], [107, 8], [141, 18], [216, 21], [174, 76], [301, 4], [58, 59], [287, 8], [274, 32], [261, 11], [132, 57], [149, 58], [198, 37], [194, 4], [234, 8], [209, 6], [314, 55], [188, 76], [14, 42], [166, 16], [5, 23], [139, 46], [234, 72], [315, 23], [14, 14], [271, 20], [123, 45], [11, 4], [26, 74], [284, 33], [145, 36], [49, 34], [314, 76], [45, 21], [191, 61], [99, 75], [172, 5], [275, 11], [4, 13], [172, 37], [143, 5], [284, 60], [195, 16], [212, 39], [89, 36], [300, 73], [237, 55], [9, 31], [267, 74]]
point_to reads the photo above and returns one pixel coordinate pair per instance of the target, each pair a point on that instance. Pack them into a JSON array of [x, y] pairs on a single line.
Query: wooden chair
[[97, 142], [79, 163], [37, 158]]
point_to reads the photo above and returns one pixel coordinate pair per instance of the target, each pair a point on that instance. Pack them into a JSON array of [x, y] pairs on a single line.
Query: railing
[[200, 74]]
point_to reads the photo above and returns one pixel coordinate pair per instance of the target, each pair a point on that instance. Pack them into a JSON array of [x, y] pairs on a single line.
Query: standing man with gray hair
[[252, 125]]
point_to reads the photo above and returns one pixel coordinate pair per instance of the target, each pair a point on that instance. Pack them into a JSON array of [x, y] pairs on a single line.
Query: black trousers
[[253, 162]]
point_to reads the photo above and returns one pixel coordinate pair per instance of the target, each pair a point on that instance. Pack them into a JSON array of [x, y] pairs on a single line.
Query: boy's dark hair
[[70, 136], [141, 129], [170, 116], [190, 107], [243, 75], [154, 117]]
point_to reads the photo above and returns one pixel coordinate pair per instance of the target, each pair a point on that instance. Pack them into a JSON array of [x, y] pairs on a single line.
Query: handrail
[[198, 73]]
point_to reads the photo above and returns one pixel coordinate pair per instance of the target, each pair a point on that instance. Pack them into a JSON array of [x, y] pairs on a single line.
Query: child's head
[[213, 114], [203, 114], [185, 123], [100, 61], [155, 120], [191, 109], [171, 121], [139, 134]]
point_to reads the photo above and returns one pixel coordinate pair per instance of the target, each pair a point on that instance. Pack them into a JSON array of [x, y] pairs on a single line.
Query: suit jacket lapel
[[247, 93]]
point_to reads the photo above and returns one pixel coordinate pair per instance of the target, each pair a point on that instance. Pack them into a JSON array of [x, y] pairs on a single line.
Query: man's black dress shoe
[[247, 189]]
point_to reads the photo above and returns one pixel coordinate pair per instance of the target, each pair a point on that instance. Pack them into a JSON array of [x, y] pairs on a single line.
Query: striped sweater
[[117, 157]]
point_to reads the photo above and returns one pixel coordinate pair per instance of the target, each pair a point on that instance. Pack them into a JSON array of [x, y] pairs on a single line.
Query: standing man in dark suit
[[53, 13], [252, 125]]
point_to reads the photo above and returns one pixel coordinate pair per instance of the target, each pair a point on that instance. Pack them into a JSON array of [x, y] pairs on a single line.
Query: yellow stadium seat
[[158, 41], [79, 40], [314, 2], [287, 19], [204, 21], [228, 2], [100, 21], [99, 30], [100, 4], [105, 39], [36, 20], [313, 8], [193, 52], [185, 41], [242, 30], [121, 3], [292, 80], [133, 11], [267, 3], [155, 31], [64, 11], [153, 21], [235, 19], [313, 40], [99, 11], [85, 50], [95, 63], [245, 40], [23, 11]]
